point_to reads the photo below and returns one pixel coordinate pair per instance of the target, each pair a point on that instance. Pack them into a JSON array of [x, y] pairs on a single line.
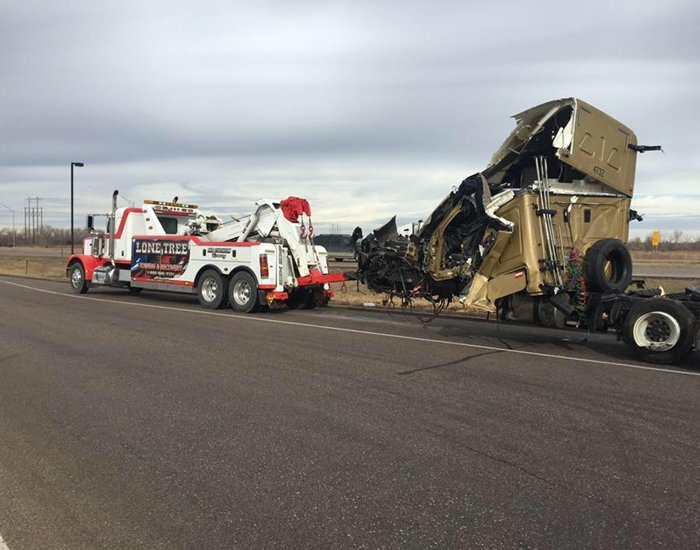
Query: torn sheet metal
[[563, 179]]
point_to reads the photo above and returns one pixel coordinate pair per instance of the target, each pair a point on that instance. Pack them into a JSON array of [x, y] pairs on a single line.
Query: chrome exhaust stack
[[112, 229]]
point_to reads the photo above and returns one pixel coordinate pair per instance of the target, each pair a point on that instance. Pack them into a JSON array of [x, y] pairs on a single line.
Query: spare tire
[[608, 266]]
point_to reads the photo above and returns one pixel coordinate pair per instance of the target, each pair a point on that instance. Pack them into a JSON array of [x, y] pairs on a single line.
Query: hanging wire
[[126, 199], [576, 283]]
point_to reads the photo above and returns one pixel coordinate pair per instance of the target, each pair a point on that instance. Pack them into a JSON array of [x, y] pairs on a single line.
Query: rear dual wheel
[[243, 293], [212, 290]]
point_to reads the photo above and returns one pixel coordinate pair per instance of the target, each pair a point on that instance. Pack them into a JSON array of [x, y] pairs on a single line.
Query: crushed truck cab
[[539, 236], [264, 258], [560, 184]]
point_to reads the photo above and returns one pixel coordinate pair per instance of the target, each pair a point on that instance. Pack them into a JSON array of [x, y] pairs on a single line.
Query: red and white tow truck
[[264, 258]]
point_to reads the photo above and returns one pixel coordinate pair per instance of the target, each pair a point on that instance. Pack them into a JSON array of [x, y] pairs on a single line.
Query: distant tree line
[[48, 236], [671, 240]]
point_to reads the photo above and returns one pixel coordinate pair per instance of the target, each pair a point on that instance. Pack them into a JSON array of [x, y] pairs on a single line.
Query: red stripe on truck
[[125, 215], [193, 239]]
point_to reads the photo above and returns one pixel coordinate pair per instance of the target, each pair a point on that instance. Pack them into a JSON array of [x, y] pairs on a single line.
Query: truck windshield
[[169, 225]]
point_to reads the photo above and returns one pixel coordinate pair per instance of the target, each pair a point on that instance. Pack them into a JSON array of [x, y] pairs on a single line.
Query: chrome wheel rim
[[241, 292], [656, 330], [76, 278], [209, 290]]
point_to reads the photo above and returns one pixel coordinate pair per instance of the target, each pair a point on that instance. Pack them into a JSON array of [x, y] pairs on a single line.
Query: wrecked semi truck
[[539, 236]]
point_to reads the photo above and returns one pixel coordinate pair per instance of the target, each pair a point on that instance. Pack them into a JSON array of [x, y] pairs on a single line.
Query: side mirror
[[90, 222]]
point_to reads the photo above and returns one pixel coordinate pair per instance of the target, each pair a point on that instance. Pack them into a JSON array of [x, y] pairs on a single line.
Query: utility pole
[[33, 219], [38, 230], [14, 232], [28, 230], [31, 208]]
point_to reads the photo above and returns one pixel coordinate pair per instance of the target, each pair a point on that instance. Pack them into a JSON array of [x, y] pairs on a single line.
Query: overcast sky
[[366, 108]]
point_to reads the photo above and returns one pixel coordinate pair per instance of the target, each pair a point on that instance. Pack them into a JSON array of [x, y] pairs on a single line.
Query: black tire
[[660, 330], [311, 301], [296, 299], [243, 293], [76, 276], [608, 266], [302, 298], [212, 290], [135, 289]]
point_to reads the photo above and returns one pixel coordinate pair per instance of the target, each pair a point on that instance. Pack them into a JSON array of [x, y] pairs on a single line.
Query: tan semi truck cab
[[539, 235]]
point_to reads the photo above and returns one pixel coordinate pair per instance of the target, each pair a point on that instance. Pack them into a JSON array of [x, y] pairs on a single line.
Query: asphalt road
[[147, 422]]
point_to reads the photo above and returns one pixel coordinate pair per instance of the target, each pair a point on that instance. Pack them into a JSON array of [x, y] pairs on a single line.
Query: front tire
[[243, 293], [76, 275], [660, 330], [212, 290]]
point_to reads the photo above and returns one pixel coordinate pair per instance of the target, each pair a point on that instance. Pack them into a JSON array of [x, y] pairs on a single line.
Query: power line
[[33, 219]]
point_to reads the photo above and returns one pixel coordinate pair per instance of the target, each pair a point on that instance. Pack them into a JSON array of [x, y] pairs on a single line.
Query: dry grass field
[[664, 257], [33, 266]]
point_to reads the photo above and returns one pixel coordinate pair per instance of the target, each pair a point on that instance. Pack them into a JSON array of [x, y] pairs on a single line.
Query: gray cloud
[[380, 106]]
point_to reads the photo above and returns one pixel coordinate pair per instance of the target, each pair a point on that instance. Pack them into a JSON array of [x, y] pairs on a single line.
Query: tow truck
[[266, 258]]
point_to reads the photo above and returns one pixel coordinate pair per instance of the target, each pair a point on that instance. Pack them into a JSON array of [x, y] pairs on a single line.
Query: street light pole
[[72, 236], [13, 222]]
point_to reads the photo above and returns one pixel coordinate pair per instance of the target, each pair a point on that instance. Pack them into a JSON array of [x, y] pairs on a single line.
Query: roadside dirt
[[33, 266]]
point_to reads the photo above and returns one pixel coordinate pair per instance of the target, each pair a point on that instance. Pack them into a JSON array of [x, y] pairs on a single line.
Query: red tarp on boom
[[293, 207]]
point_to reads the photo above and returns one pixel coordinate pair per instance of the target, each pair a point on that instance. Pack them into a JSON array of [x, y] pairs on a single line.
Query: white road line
[[253, 319], [3, 544]]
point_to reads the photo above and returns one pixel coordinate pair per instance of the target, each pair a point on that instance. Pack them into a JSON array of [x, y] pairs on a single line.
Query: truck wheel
[[660, 330], [296, 298], [608, 266], [211, 290], [76, 274], [302, 298], [243, 293], [310, 301]]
